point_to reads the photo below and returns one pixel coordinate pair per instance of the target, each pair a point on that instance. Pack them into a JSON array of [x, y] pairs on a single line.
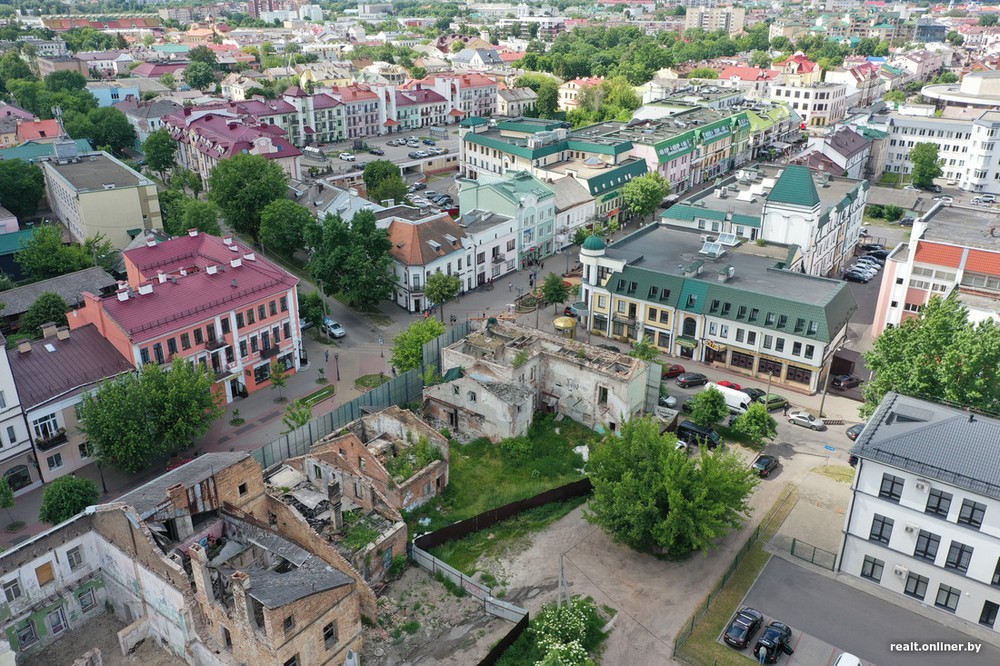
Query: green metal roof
[[599, 148], [795, 186], [675, 147], [473, 121], [746, 220], [611, 179], [12, 242], [505, 146], [649, 286], [593, 242], [31, 150], [688, 213], [529, 125]]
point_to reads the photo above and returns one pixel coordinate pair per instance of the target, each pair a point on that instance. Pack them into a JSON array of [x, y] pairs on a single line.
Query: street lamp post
[[336, 365], [826, 381]]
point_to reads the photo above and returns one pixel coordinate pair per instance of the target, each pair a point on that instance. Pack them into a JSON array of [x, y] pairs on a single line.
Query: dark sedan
[[688, 405], [843, 382], [854, 276], [754, 393], [855, 431], [689, 379], [672, 370], [764, 465], [376, 151], [879, 254], [743, 628], [777, 638]]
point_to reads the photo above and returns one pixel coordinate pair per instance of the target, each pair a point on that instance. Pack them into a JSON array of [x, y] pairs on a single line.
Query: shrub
[[876, 211], [515, 449], [892, 212]]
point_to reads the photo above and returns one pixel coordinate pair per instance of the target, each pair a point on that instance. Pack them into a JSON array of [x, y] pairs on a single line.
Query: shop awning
[[687, 343], [717, 346]]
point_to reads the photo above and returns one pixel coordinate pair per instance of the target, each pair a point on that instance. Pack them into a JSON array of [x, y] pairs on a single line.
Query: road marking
[[829, 448]]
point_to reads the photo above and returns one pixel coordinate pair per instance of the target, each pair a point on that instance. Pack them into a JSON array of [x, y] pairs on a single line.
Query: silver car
[[806, 420]]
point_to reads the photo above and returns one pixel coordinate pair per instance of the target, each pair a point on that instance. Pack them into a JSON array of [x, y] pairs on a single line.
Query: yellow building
[[97, 194]]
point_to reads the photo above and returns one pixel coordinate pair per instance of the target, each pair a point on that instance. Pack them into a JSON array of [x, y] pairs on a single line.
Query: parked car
[[951, 182], [376, 151], [806, 420], [986, 199], [667, 401], [879, 254], [413, 154], [775, 640], [907, 222], [843, 382], [689, 379], [435, 151], [764, 465], [855, 431], [864, 270], [430, 142], [420, 154], [854, 276], [754, 393], [945, 199], [568, 311], [688, 405], [672, 370], [772, 401], [847, 659], [936, 189], [729, 384], [743, 627], [413, 143], [347, 157], [912, 188], [873, 261], [332, 328], [303, 324], [871, 247], [430, 194], [852, 461]]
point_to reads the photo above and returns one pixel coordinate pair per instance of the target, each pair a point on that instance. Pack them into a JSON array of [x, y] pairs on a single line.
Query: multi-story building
[[846, 148], [923, 515], [743, 307], [206, 137], [710, 19], [106, 64], [920, 65], [61, 63], [753, 82], [468, 95], [52, 375], [523, 198], [491, 239], [576, 208], [816, 216], [513, 102], [318, 118], [798, 70], [17, 464], [205, 299], [97, 194], [818, 104], [570, 91], [361, 110], [952, 251], [977, 90], [146, 117], [864, 87]]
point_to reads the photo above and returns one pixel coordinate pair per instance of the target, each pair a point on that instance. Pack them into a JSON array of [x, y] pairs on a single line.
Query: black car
[[854, 276], [879, 254], [777, 638], [843, 382], [688, 405], [413, 154], [871, 247], [765, 464], [416, 187], [689, 379], [855, 431], [853, 461], [936, 189], [907, 222], [376, 151], [754, 393], [743, 627]]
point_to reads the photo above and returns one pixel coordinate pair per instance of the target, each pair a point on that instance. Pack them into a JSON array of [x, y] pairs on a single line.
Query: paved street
[[853, 620]]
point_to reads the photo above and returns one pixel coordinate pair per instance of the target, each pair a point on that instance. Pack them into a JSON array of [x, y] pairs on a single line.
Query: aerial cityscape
[[472, 333]]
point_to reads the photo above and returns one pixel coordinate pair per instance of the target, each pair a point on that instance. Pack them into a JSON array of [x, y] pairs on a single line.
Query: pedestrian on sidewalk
[[393, 371], [784, 410], [510, 286], [326, 355]]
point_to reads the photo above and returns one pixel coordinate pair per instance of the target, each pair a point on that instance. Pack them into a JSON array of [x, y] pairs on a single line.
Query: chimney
[[184, 272], [192, 232], [234, 284], [250, 256], [333, 493], [24, 346], [48, 330], [146, 288], [123, 294], [150, 241], [212, 270], [161, 276], [236, 263], [62, 332]]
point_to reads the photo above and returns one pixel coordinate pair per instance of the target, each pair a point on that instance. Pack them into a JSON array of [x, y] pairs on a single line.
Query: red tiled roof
[[295, 91], [353, 93], [324, 101], [412, 242], [805, 65], [39, 129], [748, 73], [940, 255], [511, 56], [222, 136], [983, 261], [196, 296]]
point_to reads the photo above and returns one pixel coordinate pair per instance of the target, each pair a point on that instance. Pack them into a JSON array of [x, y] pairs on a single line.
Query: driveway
[[852, 620]]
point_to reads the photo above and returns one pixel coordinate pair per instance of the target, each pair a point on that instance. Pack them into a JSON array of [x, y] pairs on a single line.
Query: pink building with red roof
[[466, 94], [361, 110], [798, 70], [749, 79], [569, 92], [206, 136], [204, 299]]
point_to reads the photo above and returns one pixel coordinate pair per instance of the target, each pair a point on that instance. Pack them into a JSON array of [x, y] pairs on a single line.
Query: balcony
[[213, 345], [52, 441], [268, 352], [499, 258]]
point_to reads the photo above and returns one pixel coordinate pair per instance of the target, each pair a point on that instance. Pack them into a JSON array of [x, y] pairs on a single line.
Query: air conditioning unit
[[912, 528], [922, 485], [900, 571]]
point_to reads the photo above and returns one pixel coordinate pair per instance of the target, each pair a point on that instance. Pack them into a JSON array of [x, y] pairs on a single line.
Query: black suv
[[843, 382], [743, 628], [777, 638]]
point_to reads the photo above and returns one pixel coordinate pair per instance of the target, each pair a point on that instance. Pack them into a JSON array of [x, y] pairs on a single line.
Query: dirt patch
[[101, 632], [421, 622]]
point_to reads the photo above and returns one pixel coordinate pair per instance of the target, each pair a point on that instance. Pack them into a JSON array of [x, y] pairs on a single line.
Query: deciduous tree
[[297, 414], [377, 171], [654, 498], [703, 73], [48, 307], [644, 350], [441, 288], [312, 309], [283, 224], [65, 497], [279, 379], [6, 497], [645, 193], [199, 75], [203, 54], [407, 346], [554, 290], [45, 255], [65, 81], [160, 149], [138, 417], [352, 259], [926, 166], [757, 426], [243, 186], [709, 407], [22, 186], [200, 215]]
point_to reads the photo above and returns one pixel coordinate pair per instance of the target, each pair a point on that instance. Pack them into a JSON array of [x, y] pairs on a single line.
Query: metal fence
[[813, 555], [407, 387]]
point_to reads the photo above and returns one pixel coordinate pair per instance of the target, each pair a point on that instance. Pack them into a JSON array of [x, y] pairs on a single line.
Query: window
[[881, 529], [768, 341], [86, 450], [927, 546], [251, 316], [294, 661], [199, 336], [12, 590], [261, 373], [289, 623], [243, 489], [330, 635], [54, 461], [87, 600], [947, 597], [872, 568], [892, 487], [46, 426], [916, 586], [262, 312], [753, 314], [810, 350], [158, 353], [739, 335], [74, 556], [57, 621], [239, 320], [972, 514], [3, 401], [938, 503], [283, 302], [171, 346], [959, 556], [602, 395], [26, 635], [751, 337], [779, 345], [226, 326], [472, 396], [11, 435], [272, 308], [185, 341], [44, 574], [989, 615]]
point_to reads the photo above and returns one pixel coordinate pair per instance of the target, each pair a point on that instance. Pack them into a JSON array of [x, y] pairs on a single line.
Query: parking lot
[[828, 617]]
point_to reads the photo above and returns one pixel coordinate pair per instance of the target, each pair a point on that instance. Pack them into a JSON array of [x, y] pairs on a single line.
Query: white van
[[737, 401]]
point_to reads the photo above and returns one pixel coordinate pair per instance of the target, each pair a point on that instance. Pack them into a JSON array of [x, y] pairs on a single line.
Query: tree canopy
[[48, 307], [65, 497], [926, 166], [199, 75], [644, 350], [311, 308], [45, 255], [104, 127], [202, 54], [407, 346], [645, 193], [547, 89], [656, 498], [200, 215], [940, 355], [160, 149], [243, 186], [138, 417], [757, 426], [352, 259], [22, 186], [441, 288], [283, 224], [709, 407], [554, 290]]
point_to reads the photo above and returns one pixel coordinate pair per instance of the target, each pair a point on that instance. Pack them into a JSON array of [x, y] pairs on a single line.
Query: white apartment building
[[710, 19], [924, 519], [491, 241], [17, 464], [819, 104]]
